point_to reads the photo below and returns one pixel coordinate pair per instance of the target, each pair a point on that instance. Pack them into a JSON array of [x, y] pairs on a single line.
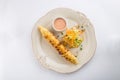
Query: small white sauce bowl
[[59, 30]]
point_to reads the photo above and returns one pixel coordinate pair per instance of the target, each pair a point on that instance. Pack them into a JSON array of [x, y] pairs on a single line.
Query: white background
[[17, 18]]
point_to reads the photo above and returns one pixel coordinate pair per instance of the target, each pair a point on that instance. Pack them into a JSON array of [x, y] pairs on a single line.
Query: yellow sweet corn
[[63, 51]]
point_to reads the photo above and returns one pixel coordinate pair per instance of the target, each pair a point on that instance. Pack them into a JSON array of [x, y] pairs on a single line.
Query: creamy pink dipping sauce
[[60, 24]]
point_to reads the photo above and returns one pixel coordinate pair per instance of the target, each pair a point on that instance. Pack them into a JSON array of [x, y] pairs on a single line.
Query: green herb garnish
[[61, 33], [81, 26], [77, 42], [80, 48], [81, 45]]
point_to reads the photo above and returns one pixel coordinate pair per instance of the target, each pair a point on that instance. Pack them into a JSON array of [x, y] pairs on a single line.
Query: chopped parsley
[[61, 33], [81, 48], [81, 26], [81, 45]]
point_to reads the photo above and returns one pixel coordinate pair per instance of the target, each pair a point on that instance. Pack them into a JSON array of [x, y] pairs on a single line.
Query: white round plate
[[48, 56]]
